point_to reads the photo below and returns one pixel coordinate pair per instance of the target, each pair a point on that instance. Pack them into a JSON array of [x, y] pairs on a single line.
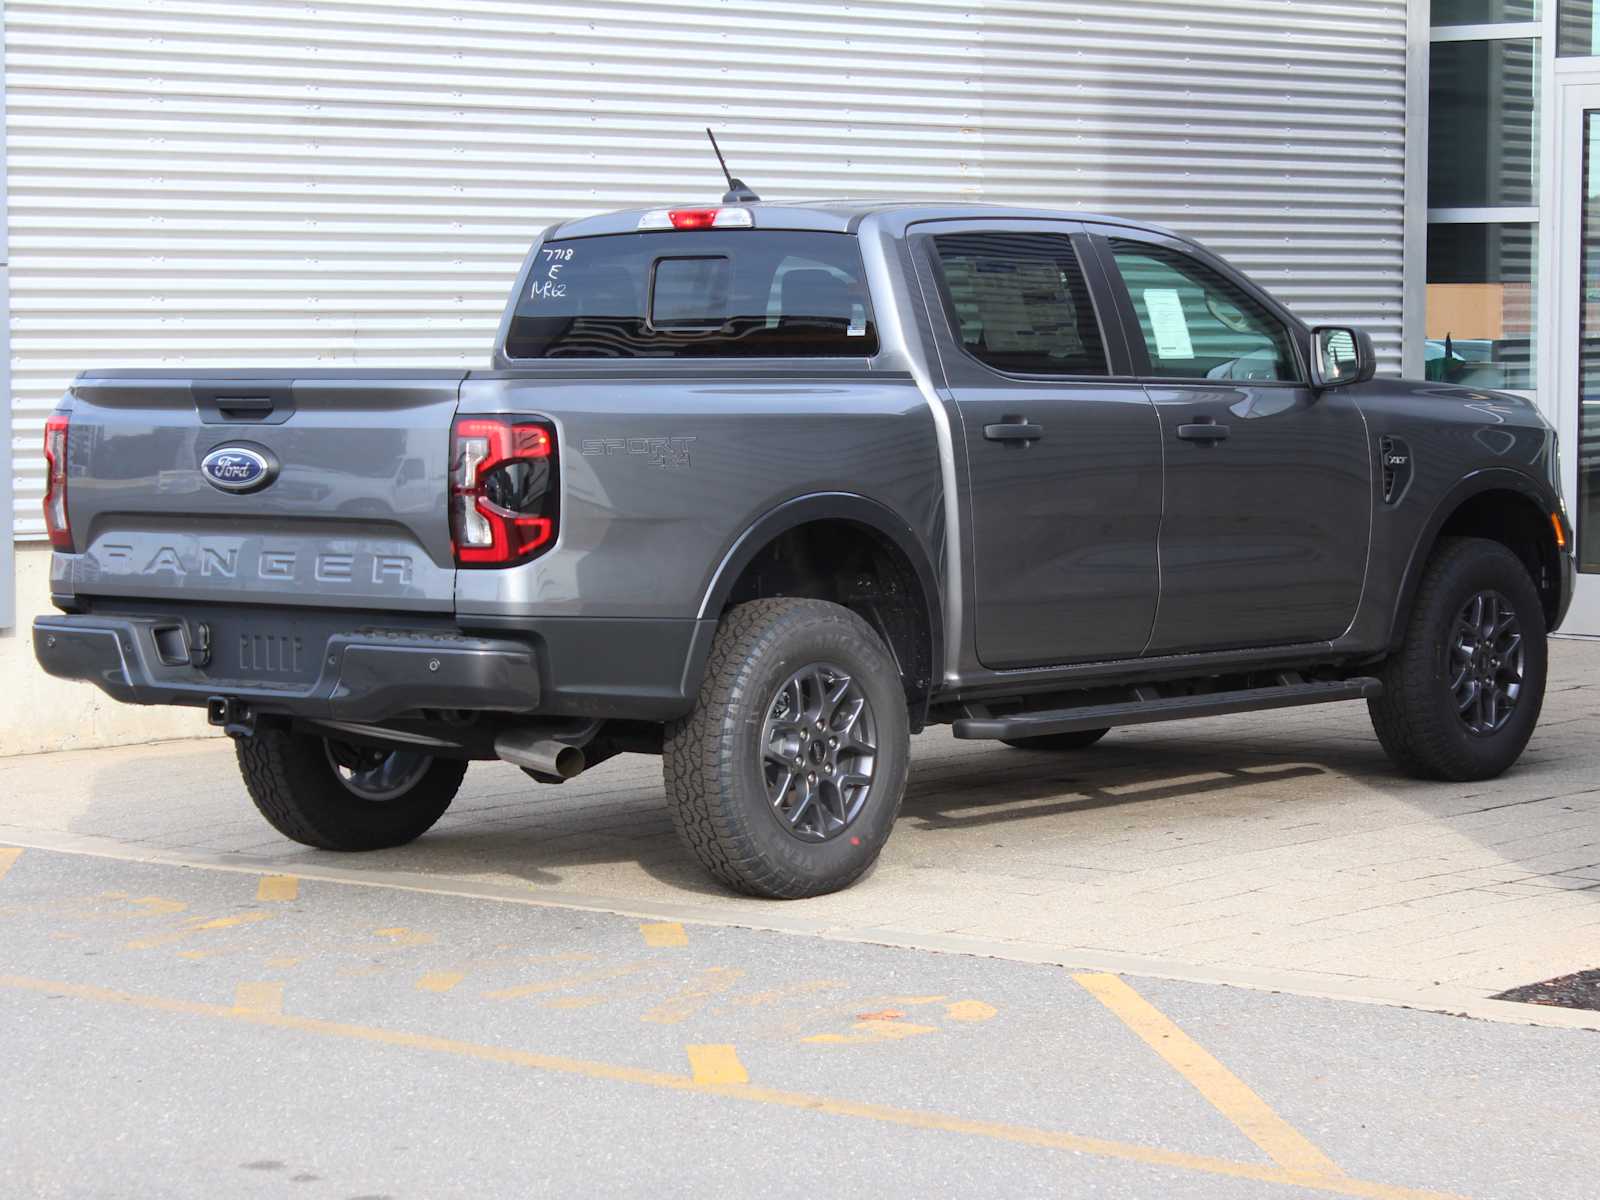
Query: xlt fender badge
[[656, 451]]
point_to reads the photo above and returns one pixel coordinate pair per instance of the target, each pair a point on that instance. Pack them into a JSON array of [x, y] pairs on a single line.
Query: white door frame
[[1574, 87]]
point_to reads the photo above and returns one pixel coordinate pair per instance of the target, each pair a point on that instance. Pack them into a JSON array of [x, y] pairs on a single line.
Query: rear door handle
[[1204, 431], [1013, 431]]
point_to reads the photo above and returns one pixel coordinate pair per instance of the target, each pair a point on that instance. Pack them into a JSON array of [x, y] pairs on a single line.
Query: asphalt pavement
[[182, 1031]]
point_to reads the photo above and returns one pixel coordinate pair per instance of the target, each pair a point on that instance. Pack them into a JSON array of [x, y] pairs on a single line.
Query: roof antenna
[[737, 192]]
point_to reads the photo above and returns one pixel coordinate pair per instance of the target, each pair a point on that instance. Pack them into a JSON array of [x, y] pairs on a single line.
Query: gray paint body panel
[[661, 476], [356, 516]]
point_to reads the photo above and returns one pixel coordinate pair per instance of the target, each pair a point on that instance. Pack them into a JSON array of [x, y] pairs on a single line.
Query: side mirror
[[1341, 356]]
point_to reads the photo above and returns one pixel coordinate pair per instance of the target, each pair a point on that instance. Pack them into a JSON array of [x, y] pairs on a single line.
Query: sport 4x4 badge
[[657, 451]]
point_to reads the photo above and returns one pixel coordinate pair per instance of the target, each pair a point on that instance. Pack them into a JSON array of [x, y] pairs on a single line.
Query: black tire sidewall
[[295, 787], [848, 643], [1483, 566]]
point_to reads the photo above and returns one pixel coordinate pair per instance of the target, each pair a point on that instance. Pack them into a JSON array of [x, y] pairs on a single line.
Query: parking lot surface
[[1275, 849], [183, 1031]]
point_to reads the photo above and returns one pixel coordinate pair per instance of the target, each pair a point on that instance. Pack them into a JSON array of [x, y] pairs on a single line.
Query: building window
[[1482, 144], [1480, 329], [1483, 12], [1483, 193], [1577, 30]]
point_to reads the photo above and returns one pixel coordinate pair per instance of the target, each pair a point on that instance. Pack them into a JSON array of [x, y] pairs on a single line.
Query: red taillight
[[503, 491], [55, 486]]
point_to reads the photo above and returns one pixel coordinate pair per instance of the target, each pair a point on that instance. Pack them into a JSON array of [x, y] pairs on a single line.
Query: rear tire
[[1078, 739], [786, 779], [335, 796], [1462, 695]]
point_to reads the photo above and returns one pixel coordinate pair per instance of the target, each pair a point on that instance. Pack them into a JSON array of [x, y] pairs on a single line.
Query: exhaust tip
[[569, 762]]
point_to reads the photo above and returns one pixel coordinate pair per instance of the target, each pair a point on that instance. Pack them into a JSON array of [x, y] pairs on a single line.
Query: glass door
[[1576, 329]]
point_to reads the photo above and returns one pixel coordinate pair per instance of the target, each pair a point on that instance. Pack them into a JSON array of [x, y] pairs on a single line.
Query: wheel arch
[[1502, 505], [901, 599]]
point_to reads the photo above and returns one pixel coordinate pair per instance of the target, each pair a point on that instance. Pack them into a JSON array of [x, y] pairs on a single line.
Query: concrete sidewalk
[[1278, 849]]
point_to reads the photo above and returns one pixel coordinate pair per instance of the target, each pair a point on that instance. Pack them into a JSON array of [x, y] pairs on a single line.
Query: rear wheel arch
[[1500, 505], [852, 551]]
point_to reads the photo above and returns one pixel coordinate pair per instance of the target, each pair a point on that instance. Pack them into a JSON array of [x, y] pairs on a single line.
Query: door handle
[[1013, 431], [1203, 431]]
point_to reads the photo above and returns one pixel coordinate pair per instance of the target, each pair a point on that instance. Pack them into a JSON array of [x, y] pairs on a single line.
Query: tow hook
[[236, 718], [200, 647]]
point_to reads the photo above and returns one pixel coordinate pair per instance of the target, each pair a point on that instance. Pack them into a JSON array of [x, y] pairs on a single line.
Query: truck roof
[[842, 215]]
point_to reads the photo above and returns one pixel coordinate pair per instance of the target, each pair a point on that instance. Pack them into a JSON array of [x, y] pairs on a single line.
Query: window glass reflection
[[1480, 316], [1577, 32], [1483, 12], [1588, 448], [1482, 145]]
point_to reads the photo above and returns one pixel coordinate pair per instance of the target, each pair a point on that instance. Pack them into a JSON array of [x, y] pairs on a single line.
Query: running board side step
[[1164, 708]]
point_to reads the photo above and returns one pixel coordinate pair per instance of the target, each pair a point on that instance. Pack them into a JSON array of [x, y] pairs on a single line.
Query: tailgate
[[352, 510]]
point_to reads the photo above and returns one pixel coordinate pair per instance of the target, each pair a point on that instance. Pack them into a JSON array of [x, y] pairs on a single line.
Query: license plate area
[[270, 654], [250, 648]]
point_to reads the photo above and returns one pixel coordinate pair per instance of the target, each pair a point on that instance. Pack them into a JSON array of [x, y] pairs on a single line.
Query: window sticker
[[1167, 323], [545, 282]]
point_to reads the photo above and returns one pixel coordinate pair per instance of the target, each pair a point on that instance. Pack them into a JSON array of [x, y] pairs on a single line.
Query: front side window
[[1196, 323], [1019, 303], [741, 293]]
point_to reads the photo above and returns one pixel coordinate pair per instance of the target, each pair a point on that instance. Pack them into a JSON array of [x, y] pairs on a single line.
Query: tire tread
[[293, 787], [698, 762]]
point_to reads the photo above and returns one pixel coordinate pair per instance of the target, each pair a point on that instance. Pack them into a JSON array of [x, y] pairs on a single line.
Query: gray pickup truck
[[766, 488]]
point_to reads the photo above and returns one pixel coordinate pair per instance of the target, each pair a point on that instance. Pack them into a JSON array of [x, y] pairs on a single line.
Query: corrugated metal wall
[[258, 182]]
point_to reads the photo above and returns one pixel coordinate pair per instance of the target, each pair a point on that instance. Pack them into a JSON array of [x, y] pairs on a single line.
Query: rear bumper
[[331, 665], [363, 674]]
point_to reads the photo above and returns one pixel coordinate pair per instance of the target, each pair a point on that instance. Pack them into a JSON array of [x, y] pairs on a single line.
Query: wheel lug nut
[[811, 778], [833, 743]]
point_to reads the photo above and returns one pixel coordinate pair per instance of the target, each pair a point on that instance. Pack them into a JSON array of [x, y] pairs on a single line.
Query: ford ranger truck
[[766, 488]]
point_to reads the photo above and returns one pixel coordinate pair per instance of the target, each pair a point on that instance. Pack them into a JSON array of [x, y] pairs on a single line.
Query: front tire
[[786, 778], [333, 795], [1462, 695]]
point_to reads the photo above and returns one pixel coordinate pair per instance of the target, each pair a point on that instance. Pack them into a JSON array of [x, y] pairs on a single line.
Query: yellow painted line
[[401, 936], [711, 983], [264, 998], [969, 1010], [196, 926], [869, 1031], [910, 1118], [8, 855], [278, 887], [716, 1064], [439, 981], [159, 905], [1225, 1091], [522, 991], [664, 933]]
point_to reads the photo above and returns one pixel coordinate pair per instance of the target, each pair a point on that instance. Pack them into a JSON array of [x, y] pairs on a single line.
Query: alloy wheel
[[374, 774], [819, 752], [1487, 661]]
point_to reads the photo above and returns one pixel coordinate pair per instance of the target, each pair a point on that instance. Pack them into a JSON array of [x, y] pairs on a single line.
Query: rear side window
[[1198, 324], [1019, 303], [695, 294]]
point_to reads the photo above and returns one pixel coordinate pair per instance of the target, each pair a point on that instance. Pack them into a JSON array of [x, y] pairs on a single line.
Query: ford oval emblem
[[237, 469]]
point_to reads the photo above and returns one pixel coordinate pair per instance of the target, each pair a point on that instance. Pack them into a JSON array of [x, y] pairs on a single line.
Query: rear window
[[695, 294]]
